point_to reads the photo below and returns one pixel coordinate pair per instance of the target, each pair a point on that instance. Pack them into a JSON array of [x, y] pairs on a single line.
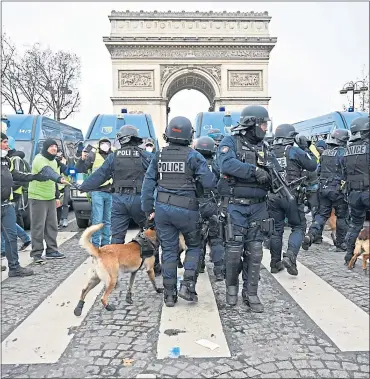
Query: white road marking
[[342, 321], [71, 220], [24, 256], [198, 321], [45, 334]]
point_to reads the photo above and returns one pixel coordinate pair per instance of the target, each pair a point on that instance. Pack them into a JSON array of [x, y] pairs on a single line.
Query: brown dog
[[332, 224], [108, 261], [362, 247]]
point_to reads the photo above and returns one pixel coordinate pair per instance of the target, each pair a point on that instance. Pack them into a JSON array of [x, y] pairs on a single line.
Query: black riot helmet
[[361, 125], [338, 137], [205, 145], [216, 135], [284, 134], [179, 131], [128, 133], [251, 121]]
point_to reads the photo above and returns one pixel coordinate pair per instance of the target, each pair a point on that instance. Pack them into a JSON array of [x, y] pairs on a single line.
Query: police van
[[29, 133], [222, 120], [320, 127], [107, 125]]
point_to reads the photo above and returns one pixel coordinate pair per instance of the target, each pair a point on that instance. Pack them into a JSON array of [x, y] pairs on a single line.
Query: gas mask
[[104, 147], [4, 153], [149, 148]]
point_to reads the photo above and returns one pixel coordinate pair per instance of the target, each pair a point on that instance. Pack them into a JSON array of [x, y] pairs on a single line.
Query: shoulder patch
[[225, 149]]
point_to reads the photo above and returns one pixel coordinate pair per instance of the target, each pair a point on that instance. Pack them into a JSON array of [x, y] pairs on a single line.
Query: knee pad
[[255, 249], [193, 238]]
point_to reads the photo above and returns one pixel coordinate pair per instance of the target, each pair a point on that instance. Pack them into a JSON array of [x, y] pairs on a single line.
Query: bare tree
[[41, 81], [59, 76]]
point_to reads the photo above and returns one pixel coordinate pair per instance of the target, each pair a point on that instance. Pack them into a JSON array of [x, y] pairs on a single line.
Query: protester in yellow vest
[[44, 224], [101, 200]]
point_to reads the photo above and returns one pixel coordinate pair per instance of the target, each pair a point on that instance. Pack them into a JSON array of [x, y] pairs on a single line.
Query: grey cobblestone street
[[282, 342]]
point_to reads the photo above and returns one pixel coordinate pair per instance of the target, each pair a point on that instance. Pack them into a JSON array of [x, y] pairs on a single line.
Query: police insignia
[[225, 149]]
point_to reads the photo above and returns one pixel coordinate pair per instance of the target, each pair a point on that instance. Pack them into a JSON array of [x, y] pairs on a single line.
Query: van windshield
[[26, 147]]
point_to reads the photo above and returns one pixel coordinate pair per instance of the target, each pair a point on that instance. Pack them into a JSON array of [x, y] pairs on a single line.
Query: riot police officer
[[173, 173], [208, 210], [126, 166], [294, 156], [243, 187], [331, 176], [356, 163], [216, 135]]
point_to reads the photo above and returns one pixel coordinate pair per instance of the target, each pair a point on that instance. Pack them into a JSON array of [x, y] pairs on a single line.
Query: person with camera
[[101, 197], [294, 157]]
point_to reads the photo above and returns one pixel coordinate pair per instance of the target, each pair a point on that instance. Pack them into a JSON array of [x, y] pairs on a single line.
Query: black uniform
[[293, 160], [356, 163]]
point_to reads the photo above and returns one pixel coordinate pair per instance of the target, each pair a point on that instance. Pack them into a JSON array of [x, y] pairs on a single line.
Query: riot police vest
[[330, 167], [356, 161], [291, 169], [245, 154], [174, 172], [128, 169]]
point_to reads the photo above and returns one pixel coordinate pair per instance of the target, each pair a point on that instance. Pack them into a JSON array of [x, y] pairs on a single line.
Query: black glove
[[302, 142], [262, 176]]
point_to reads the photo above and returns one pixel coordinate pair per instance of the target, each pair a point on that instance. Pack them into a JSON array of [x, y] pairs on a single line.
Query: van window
[[26, 147]]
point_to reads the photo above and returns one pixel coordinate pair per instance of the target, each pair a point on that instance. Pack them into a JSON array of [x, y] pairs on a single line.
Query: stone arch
[[190, 78]]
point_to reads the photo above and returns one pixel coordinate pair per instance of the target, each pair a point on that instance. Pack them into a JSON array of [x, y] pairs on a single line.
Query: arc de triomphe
[[157, 54]]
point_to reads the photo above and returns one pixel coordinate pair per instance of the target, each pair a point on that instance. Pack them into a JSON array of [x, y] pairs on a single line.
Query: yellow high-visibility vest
[[98, 162]]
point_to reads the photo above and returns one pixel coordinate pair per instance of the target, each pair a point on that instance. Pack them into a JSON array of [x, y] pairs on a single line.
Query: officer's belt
[[250, 201], [178, 201], [127, 190]]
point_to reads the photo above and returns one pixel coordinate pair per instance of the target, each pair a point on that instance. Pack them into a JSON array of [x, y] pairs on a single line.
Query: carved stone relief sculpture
[[135, 79], [245, 79]]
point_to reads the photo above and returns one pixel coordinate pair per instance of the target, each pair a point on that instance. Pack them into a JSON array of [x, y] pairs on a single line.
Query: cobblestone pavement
[[282, 342]]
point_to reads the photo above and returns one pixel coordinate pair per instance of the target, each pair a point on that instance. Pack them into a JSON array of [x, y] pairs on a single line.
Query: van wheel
[[82, 223]]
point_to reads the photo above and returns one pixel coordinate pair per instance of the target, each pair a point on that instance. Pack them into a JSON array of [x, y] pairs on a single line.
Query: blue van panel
[[205, 121], [327, 123], [20, 126], [107, 125]]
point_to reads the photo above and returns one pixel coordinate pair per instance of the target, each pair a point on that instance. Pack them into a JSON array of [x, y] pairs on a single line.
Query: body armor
[[128, 169], [291, 169], [173, 170], [330, 167], [356, 160]]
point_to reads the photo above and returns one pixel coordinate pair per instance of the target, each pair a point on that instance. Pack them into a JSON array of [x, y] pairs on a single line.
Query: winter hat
[[47, 143], [3, 136]]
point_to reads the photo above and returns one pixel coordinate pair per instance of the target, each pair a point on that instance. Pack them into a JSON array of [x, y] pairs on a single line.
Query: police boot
[[254, 257], [276, 267], [170, 296], [317, 240], [219, 271], [253, 302], [290, 263], [341, 246], [348, 257], [307, 241], [187, 287]]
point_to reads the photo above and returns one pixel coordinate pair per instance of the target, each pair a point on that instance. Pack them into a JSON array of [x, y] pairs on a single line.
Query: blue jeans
[[9, 231], [21, 234], [101, 203]]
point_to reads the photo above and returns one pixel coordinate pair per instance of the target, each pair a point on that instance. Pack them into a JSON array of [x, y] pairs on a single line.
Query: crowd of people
[[245, 187]]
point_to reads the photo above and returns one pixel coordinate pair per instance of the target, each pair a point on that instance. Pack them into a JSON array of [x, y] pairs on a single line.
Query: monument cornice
[[215, 52], [184, 15], [193, 40]]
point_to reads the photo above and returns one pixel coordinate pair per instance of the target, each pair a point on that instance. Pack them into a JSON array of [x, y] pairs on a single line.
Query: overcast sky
[[320, 47]]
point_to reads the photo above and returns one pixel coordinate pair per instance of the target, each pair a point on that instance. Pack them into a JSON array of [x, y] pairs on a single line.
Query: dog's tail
[[85, 239]]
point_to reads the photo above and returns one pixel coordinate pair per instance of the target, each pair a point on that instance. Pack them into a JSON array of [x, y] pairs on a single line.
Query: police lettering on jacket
[[355, 150], [168, 167]]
